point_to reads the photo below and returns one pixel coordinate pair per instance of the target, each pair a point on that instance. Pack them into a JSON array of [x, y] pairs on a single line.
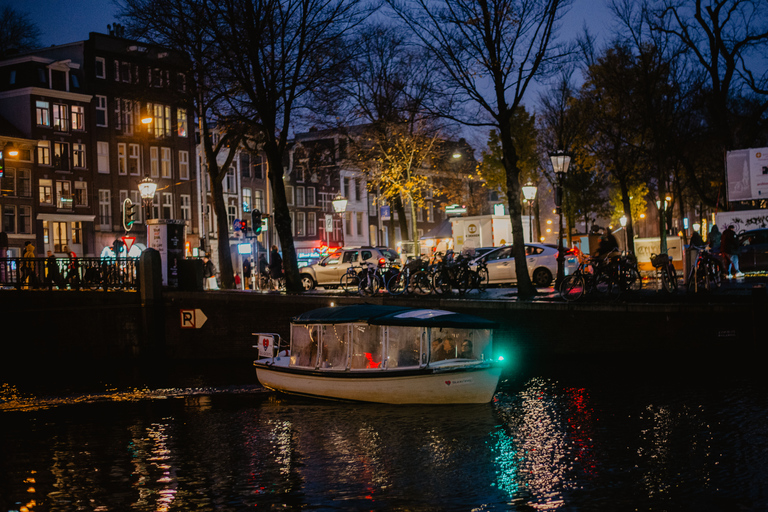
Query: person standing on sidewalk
[[730, 249]]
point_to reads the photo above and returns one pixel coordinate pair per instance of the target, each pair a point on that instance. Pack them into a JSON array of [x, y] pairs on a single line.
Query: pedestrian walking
[[28, 274], [730, 248], [209, 273], [247, 272], [713, 239], [53, 275], [275, 266]]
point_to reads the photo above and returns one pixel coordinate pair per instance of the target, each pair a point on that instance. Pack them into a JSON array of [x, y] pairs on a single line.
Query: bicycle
[[350, 281], [666, 270], [617, 274], [370, 280], [706, 273], [581, 282], [412, 278]]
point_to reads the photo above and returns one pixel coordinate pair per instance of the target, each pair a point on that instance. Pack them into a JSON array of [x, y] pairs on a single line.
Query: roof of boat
[[392, 315]]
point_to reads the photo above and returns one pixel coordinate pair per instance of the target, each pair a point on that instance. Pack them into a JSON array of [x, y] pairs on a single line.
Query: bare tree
[[388, 84], [187, 25], [725, 42], [489, 52], [279, 53], [17, 31]]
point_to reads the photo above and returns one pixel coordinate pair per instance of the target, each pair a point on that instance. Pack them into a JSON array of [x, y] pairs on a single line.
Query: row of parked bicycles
[[443, 275], [616, 274]]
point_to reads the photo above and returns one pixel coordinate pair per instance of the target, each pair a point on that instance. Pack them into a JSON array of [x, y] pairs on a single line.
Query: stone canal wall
[[219, 325]]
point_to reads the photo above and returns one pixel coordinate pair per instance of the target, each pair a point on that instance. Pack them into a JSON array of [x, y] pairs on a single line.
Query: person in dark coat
[[53, 276], [713, 239], [730, 248], [275, 263]]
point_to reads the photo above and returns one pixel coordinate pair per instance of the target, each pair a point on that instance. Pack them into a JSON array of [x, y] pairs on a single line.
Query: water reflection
[[543, 443]]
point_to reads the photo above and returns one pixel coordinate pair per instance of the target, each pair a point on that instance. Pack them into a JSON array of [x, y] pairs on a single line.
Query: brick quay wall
[[61, 325]]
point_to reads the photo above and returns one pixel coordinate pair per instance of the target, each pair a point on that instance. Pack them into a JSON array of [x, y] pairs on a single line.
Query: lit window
[[181, 122], [46, 192], [78, 118], [81, 193], [43, 115]]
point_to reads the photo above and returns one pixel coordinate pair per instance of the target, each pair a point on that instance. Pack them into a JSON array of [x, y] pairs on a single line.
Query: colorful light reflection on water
[[544, 443]]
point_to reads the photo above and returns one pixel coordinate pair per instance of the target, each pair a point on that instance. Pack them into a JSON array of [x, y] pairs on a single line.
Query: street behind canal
[[608, 433]]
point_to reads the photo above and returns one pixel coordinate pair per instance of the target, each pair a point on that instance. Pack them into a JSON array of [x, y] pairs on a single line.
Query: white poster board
[[747, 174]]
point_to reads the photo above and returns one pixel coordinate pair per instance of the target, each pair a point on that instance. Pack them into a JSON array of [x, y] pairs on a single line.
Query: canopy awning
[[393, 315]]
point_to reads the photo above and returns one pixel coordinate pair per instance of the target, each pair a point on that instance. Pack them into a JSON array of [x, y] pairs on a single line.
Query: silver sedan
[[541, 261]]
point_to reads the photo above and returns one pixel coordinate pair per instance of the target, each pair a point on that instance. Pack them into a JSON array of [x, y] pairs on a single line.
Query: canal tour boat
[[382, 354]]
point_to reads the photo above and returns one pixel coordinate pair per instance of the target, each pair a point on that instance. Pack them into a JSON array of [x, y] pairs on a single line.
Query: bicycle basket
[[659, 260]]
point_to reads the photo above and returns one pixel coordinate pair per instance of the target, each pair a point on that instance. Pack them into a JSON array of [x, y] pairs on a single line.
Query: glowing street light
[[529, 192]]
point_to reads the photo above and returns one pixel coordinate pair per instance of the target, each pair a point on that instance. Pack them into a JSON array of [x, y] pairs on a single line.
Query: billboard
[[747, 174]]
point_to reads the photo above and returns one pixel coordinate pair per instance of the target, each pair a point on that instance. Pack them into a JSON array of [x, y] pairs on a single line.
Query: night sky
[[66, 21]]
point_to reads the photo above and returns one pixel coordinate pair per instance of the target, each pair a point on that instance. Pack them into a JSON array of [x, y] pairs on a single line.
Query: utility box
[[480, 231], [168, 237]]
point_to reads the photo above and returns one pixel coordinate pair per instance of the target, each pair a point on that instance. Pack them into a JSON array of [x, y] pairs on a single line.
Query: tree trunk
[[282, 218], [226, 271], [525, 288]]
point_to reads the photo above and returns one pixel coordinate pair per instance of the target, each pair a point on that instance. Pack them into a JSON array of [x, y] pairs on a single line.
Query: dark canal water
[[561, 435]]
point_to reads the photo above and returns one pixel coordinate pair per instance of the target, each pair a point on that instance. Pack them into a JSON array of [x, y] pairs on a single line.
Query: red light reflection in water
[[581, 429]]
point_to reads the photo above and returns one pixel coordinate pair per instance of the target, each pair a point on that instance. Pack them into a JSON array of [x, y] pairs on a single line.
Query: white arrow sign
[[192, 318]]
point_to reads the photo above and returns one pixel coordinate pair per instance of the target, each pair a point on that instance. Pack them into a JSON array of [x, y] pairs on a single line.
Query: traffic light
[[256, 221], [129, 212], [244, 226], [2, 163]]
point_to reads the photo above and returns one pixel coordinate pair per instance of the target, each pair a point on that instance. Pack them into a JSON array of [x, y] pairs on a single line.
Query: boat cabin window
[[304, 339], [405, 346], [367, 347], [449, 343], [335, 343]]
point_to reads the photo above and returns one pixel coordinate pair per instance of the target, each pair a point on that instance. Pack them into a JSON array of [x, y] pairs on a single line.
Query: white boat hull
[[429, 386]]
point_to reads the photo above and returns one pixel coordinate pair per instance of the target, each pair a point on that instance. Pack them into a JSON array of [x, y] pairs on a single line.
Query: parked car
[[541, 261], [328, 271], [753, 250]]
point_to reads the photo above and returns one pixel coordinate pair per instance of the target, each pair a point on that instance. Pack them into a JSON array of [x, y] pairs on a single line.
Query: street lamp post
[[340, 206], [147, 189], [663, 223], [623, 221], [560, 163], [529, 192]]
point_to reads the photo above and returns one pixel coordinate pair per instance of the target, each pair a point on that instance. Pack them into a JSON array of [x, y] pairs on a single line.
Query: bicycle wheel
[[396, 284], [349, 282], [464, 281], [603, 284], [634, 281], [667, 281], [482, 274], [673, 278], [441, 282], [699, 282], [369, 284], [421, 283], [572, 287]]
